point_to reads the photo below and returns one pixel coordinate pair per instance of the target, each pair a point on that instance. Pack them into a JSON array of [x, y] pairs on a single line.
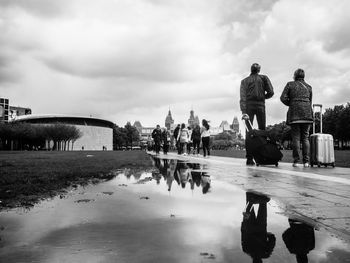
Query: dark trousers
[[205, 144], [157, 147], [166, 147], [300, 132], [259, 112], [196, 144]]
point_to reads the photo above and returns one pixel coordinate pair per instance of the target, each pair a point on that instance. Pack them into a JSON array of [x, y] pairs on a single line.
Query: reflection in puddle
[[256, 241], [182, 173], [177, 213], [299, 238]]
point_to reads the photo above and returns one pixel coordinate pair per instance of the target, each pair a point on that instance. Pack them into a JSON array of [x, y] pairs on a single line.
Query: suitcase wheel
[[257, 164], [333, 164], [276, 164], [318, 165]]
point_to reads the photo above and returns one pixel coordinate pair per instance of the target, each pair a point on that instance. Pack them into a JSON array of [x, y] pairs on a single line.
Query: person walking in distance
[[176, 134], [254, 90], [297, 95], [183, 138], [205, 134], [196, 139], [157, 138], [165, 140]]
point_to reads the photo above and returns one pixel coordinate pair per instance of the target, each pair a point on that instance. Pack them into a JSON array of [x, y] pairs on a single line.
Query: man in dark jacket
[[157, 138], [254, 90], [176, 133]]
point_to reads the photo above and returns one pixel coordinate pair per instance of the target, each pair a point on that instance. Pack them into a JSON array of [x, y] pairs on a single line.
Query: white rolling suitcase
[[321, 145]]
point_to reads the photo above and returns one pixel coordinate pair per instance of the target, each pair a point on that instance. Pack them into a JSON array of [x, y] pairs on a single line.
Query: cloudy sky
[[127, 60]]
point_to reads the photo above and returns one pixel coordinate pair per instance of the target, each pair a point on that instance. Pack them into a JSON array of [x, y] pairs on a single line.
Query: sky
[[127, 60]]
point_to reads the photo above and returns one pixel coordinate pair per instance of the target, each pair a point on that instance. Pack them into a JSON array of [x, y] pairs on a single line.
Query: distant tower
[[193, 120], [138, 126], [169, 121], [235, 125]]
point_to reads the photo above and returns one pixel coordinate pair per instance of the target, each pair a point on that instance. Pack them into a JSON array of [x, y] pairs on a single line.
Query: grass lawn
[[26, 177], [342, 158]]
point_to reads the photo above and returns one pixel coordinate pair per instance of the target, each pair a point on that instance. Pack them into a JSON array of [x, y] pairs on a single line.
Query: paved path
[[321, 195]]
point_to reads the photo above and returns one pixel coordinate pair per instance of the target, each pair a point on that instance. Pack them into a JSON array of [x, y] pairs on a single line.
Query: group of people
[[254, 90], [297, 95], [186, 139]]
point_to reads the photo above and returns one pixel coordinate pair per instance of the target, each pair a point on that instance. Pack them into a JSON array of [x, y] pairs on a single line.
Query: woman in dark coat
[[297, 95]]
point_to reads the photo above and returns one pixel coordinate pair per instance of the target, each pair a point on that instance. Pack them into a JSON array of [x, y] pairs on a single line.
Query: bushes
[[25, 136]]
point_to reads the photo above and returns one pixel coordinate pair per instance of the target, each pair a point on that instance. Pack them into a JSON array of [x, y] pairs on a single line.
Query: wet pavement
[[189, 209]]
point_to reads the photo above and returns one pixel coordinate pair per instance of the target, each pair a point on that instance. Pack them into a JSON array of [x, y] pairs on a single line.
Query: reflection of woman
[[297, 95], [205, 182], [299, 239], [170, 174], [182, 173], [256, 241]]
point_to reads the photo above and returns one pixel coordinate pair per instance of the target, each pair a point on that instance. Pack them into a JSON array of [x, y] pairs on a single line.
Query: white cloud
[[131, 60]]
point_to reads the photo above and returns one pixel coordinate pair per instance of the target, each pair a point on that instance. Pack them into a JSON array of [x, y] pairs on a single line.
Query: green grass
[[26, 177], [342, 158]]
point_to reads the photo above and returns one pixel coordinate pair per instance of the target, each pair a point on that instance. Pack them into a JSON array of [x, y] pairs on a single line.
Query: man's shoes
[[295, 164], [250, 162], [306, 165]]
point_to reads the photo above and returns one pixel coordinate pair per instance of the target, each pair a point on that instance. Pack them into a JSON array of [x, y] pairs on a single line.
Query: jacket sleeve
[[285, 95], [311, 95], [243, 97], [268, 88]]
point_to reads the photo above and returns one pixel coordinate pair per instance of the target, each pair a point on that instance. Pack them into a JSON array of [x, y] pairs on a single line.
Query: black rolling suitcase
[[263, 148]]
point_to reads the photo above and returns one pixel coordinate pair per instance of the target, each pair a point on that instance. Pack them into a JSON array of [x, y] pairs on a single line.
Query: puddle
[[177, 213]]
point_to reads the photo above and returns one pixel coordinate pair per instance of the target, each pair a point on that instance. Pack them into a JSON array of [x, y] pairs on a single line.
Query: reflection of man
[[256, 241], [299, 239]]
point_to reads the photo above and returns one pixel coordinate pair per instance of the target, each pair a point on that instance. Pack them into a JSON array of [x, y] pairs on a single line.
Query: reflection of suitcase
[[262, 147], [321, 145]]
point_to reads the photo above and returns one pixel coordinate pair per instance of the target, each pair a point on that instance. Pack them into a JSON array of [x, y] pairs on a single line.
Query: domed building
[[97, 134]]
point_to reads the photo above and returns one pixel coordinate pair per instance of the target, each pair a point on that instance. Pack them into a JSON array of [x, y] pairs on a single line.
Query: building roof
[[67, 119]]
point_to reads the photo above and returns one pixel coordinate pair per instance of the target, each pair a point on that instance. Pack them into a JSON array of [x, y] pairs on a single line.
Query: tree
[[132, 134], [119, 137]]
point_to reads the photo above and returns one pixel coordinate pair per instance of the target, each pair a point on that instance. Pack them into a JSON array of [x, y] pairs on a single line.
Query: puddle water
[[178, 213]]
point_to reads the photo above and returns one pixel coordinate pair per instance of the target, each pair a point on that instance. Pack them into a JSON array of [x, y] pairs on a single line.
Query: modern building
[[4, 110], [145, 132], [97, 134], [18, 111], [10, 113]]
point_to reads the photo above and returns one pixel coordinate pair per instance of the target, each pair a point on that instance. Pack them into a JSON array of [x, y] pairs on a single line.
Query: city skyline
[[126, 61]]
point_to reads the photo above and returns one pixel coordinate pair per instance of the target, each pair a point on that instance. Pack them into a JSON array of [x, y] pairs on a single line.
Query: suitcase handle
[[313, 124], [246, 122]]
